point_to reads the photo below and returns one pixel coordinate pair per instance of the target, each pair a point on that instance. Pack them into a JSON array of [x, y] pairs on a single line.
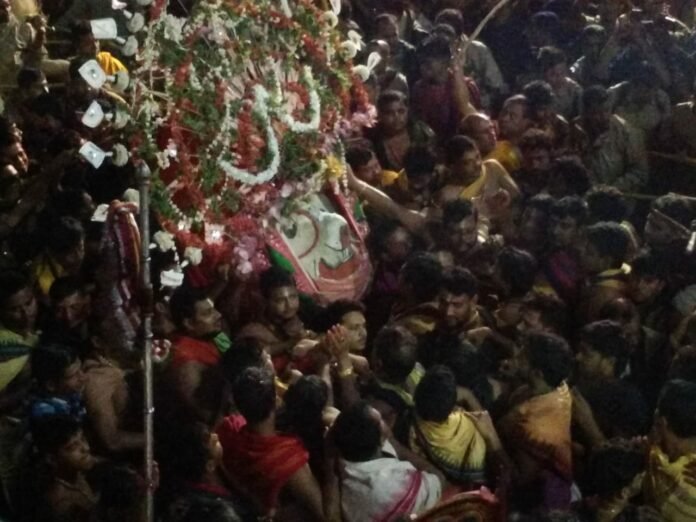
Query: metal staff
[[146, 305]]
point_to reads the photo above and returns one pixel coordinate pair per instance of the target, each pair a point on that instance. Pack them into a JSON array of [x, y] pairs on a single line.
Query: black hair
[[620, 310], [49, 362], [11, 283], [69, 201], [679, 208], [65, 286], [380, 232], [570, 206], [684, 364], [593, 30], [74, 67], [444, 30], [254, 394], [520, 99], [619, 407], [518, 269], [607, 338], [306, 399], [651, 264], [610, 240], [51, 433], [304, 402], [210, 511], [7, 135], [80, 29], [457, 146], [549, 354], [550, 57], [435, 47], [64, 235], [606, 203], [418, 161], [390, 96], [357, 434], [436, 394], [397, 350], [457, 210], [182, 446], [470, 366], [423, 273], [572, 170], [534, 139], [333, 314], [27, 76], [548, 22], [677, 404], [358, 156], [274, 278], [453, 18], [460, 281], [539, 94], [553, 312], [541, 202], [612, 467], [182, 304], [383, 17], [247, 352], [593, 97], [562, 8]]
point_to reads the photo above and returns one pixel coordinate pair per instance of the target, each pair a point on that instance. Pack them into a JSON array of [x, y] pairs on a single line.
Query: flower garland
[[242, 175], [314, 107], [239, 109]]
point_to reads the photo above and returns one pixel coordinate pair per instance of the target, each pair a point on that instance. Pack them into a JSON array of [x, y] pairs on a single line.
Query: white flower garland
[[314, 107], [266, 175]]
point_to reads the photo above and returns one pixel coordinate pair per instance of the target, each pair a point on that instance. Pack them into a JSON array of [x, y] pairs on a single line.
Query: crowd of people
[[526, 349]]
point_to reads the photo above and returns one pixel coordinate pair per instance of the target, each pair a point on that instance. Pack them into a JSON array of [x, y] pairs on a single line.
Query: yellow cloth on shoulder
[[391, 177], [507, 154], [455, 443], [14, 355], [46, 271], [109, 64], [405, 391], [477, 187], [541, 427], [666, 488]]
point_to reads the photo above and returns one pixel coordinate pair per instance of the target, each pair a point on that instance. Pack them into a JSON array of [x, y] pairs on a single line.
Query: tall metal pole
[[146, 304]]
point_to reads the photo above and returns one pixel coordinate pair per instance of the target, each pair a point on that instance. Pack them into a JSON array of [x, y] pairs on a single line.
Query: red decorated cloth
[[187, 349], [262, 463]]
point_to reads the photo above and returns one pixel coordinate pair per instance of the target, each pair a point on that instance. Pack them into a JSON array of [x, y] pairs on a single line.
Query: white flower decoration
[[193, 255], [356, 38], [285, 7], [329, 19], [349, 49], [164, 241], [362, 71]]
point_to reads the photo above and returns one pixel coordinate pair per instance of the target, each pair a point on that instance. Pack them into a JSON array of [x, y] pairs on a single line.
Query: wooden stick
[[491, 14]]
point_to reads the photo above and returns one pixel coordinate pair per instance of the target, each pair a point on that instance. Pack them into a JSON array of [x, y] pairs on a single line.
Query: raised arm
[[461, 91], [413, 221]]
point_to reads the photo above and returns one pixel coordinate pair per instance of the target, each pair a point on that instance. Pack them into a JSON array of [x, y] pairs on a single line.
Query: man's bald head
[[479, 128]]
